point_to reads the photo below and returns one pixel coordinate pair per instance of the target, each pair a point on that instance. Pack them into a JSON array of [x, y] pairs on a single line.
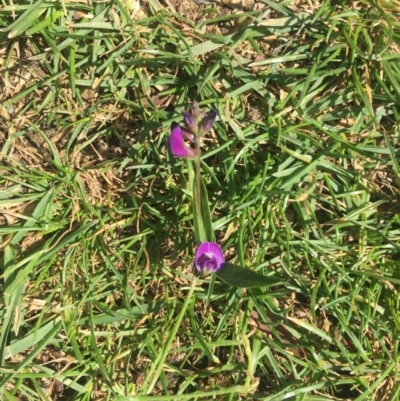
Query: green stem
[[198, 178], [158, 364]]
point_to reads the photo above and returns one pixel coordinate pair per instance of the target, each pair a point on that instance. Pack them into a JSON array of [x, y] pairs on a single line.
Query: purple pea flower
[[197, 124], [177, 145], [209, 258]]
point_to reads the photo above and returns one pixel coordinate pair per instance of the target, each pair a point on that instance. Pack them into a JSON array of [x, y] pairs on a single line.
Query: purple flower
[[177, 145], [209, 258], [197, 121], [197, 124]]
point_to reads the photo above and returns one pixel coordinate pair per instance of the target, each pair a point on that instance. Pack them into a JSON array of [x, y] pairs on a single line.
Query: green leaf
[[24, 21], [39, 212], [205, 47], [199, 230], [33, 338], [241, 277], [45, 23]]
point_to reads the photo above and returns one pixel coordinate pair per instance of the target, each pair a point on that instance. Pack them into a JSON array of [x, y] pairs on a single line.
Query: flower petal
[[209, 258], [208, 121], [177, 145], [189, 122]]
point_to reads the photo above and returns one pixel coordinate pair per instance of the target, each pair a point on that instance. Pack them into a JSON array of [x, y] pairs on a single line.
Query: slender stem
[[198, 184], [158, 364]]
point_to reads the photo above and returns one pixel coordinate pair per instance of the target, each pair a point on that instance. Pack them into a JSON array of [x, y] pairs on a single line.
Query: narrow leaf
[[199, 230], [34, 337], [39, 211], [311, 328], [24, 21]]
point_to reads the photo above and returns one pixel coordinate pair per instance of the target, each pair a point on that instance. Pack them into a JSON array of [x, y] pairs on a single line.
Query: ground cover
[[302, 174]]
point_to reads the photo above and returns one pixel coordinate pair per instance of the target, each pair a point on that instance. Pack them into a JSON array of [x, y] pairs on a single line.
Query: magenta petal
[[209, 258], [177, 145]]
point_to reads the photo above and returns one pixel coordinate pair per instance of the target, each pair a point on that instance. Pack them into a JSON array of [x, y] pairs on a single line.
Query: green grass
[[96, 226]]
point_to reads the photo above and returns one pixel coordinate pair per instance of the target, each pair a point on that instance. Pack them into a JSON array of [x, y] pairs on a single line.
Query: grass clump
[[302, 175]]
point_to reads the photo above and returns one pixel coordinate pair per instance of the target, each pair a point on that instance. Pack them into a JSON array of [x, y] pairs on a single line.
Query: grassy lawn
[[96, 222]]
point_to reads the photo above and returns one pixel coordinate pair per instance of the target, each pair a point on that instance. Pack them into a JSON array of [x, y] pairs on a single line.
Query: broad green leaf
[[205, 47], [33, 338], [241, 277]]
